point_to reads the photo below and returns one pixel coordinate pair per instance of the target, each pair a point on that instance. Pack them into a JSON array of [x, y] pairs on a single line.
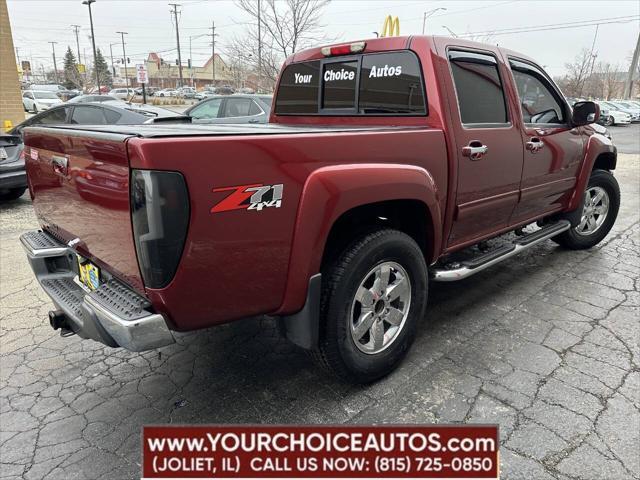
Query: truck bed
[[234, 257], [201, 130]]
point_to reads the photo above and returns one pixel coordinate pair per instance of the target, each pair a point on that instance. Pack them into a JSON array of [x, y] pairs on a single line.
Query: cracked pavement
[[545, 344]]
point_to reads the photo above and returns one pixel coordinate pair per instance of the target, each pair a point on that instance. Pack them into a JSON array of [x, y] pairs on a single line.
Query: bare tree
[[610, 81], [577, 73], [286, 27]]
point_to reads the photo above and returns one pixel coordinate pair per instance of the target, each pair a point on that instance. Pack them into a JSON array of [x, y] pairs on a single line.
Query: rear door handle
[[475, 150], [60, 165], [534, 144]]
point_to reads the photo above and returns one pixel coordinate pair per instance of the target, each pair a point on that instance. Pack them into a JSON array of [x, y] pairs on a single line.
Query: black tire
[[576, 241], [608, 121], [12, 194], [35, 109], [337, 350]]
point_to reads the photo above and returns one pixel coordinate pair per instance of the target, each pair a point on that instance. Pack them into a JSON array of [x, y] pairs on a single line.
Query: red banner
[[320, 451]]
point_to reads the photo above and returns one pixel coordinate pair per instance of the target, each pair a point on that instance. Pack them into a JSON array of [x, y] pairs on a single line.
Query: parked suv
[[231, 109], [123, 93], [384, 163]]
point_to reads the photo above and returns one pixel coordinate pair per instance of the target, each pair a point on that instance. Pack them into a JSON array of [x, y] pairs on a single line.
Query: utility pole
[[113, 68], [93, 42], [55, 65], [259, 49], [592, 58], [190, 62], [213, 53], [632, 70], [124, 53], [175, 15], [76, 29]]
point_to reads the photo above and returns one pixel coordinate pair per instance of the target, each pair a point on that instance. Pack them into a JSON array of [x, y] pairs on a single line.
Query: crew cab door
[[488, 144], [553, 148]]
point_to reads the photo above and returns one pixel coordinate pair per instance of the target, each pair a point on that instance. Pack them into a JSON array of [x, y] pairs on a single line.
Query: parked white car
[[186, 92], [628, 107], [204, 94], [122, 93], [167, 92], [613, 115], [38, 100]]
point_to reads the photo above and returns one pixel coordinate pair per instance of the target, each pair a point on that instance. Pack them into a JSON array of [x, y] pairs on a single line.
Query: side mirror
[[585, 113]]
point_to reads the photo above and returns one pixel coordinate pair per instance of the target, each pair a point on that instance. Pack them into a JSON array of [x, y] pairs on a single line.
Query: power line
[[554, 26]]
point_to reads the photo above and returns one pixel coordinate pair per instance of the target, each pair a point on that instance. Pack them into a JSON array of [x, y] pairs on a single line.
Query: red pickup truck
[[387, 164]]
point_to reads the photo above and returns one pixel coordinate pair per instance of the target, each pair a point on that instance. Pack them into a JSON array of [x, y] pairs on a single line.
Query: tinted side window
[[479, 88], [538, 101], [88, 116], [112, 117], [237, 107], [298, 90], [59, 115], [208, 109], [254, 109], [391, 83]]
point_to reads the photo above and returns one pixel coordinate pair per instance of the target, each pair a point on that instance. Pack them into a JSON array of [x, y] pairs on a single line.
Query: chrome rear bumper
[[113, 314]]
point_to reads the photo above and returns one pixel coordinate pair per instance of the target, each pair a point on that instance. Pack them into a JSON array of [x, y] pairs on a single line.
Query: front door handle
[[534, 144], [475, 150]]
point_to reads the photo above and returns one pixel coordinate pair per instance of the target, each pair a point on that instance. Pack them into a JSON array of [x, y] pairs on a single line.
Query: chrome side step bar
[[465, 269]]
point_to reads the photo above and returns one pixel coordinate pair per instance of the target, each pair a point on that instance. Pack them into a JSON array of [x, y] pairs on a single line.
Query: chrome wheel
[[380, 307], [594, 212]]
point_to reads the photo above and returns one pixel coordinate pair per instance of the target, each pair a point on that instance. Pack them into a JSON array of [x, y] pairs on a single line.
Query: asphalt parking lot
[[545, 344]]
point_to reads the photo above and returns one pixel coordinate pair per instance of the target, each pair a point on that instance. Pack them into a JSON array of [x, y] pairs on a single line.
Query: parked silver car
[[231, 109]]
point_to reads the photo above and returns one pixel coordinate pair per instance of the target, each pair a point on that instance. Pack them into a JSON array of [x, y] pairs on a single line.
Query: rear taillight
[[343, 49], [160, 216]]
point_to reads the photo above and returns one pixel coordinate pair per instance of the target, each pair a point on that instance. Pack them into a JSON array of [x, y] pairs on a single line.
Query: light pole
[[113, 69], [427, 15], [55, 65], [124, 53], [93, 42], [453, 34], [191, 37]]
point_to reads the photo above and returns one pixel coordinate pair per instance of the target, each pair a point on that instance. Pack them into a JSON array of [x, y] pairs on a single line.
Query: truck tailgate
[[79, 181]]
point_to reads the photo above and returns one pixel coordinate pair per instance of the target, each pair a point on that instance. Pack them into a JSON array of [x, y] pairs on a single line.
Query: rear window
[[339, 80], [373, 84], [298, 91], [479, 88]]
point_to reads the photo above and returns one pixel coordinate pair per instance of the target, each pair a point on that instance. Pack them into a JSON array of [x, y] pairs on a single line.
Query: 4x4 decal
[[255, 196]]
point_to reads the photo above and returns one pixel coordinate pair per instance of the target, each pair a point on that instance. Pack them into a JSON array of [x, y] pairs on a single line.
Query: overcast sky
[[150, 27]]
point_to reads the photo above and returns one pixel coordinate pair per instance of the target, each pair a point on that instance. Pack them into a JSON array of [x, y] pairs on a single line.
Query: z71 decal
[[249, 197]]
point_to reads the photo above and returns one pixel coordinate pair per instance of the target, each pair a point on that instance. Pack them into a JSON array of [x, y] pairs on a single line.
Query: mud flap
[[303, 328]]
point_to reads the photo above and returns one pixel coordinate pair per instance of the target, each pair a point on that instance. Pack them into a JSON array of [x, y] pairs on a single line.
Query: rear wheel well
[[409, 216], [605, 161]]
